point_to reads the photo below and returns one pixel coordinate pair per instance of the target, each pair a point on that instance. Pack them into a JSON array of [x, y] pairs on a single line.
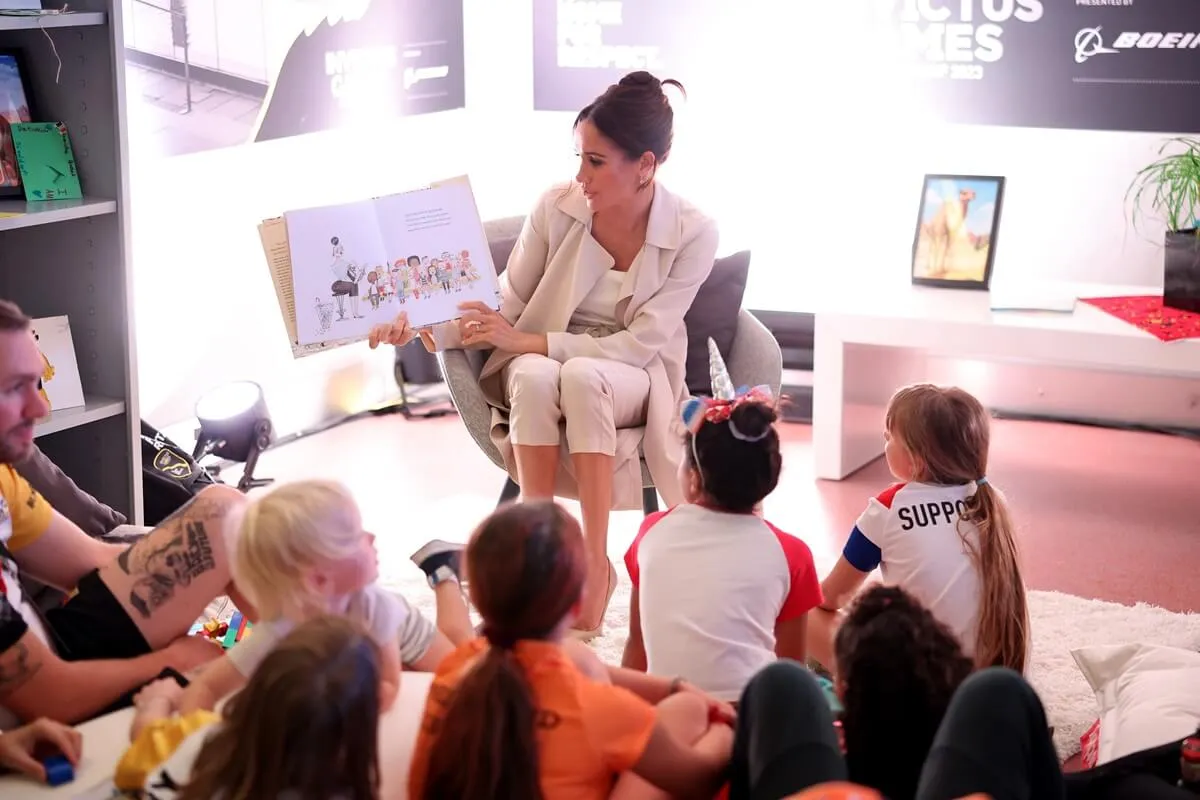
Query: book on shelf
[[46, 161], [339, 270]]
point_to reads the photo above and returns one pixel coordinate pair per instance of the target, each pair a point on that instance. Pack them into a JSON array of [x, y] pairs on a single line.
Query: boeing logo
[[1089, 42]]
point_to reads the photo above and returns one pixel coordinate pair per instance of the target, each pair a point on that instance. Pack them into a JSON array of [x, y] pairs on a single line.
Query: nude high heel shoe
[[587, 634]]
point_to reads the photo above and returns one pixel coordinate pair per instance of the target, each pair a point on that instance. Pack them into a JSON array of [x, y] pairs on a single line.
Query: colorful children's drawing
[[427, 277], [418, 249]]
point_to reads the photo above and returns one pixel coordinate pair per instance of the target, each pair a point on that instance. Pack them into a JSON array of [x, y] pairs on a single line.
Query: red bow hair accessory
[[698, 410]]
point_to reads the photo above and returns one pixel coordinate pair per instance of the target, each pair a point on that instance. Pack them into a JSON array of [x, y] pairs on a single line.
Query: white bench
[[870, 342]]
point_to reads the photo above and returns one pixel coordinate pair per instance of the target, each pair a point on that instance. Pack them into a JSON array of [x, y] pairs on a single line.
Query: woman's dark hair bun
[[635, 115], [642, 78]]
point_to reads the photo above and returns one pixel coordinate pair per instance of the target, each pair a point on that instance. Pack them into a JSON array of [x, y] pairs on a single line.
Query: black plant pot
[[1181, 270]]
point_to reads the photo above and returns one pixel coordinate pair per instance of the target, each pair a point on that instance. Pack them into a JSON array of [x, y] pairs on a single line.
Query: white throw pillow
[[1148, 695]]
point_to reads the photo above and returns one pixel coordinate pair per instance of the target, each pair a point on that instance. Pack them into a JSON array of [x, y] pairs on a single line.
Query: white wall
[[801, 154], [1063, 215]]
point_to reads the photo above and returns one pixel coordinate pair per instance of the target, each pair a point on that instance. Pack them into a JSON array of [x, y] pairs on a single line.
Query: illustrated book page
[[273, 234], [359, 264], [338, 258], [439, 252], [61, 386]]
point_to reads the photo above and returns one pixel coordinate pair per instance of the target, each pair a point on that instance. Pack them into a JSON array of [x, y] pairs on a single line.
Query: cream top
[[599, 307]]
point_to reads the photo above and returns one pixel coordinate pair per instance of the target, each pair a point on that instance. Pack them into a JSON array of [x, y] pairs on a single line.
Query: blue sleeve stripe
[[861, 552]]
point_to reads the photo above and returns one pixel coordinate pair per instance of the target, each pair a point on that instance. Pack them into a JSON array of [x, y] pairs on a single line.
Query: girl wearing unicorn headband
[[719, 592]]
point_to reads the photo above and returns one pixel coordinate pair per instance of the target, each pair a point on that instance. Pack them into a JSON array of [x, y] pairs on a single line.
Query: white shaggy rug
[[1060, 622]]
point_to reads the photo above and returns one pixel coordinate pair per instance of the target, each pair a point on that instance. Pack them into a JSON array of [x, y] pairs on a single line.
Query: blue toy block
[[58, 770]]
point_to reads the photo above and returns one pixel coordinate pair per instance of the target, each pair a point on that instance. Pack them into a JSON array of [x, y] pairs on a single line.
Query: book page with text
[[439, 252]]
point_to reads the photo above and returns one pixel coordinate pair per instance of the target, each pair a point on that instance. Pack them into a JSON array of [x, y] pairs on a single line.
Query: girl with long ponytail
[[511, 715], [944, 533]]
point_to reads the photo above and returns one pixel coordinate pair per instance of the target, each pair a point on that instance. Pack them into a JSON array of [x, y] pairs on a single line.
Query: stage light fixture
[[235, 425]]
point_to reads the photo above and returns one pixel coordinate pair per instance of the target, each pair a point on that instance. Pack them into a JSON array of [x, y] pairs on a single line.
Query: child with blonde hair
[[301, 552], [943, 534]]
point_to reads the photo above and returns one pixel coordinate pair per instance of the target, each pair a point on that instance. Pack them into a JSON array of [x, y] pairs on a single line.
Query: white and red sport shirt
[[712, 587], [914, 534]]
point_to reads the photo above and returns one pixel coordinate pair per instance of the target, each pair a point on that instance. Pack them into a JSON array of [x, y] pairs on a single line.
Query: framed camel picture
[[955, 241]]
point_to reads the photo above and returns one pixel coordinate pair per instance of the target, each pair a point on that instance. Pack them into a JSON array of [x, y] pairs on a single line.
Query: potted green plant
[[1171, 188]]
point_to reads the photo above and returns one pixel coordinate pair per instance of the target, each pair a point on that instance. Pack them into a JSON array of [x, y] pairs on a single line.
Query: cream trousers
[[587, 398]]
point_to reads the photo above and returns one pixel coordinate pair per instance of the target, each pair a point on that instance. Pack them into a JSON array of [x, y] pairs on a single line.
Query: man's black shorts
[[92, 625]]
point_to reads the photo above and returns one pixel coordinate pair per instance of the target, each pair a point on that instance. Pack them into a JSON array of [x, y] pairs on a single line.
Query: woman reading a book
[[586, 372]]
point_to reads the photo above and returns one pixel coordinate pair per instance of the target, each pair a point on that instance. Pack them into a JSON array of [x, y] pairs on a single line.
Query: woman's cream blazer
[[554, 265]]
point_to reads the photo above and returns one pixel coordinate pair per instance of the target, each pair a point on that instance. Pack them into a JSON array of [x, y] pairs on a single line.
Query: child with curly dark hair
[[900, 671], [918, 724], [718, 591], [898, 667]]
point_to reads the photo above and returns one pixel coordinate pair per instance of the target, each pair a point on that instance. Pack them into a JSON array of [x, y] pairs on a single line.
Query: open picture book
[[339, 270]]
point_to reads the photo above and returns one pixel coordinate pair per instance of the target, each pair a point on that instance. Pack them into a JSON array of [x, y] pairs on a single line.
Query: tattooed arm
[[64, 553], [167, 578], [34, 682]]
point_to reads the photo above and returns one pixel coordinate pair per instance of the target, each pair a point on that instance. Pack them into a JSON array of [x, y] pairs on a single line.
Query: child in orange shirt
[[511, 715]]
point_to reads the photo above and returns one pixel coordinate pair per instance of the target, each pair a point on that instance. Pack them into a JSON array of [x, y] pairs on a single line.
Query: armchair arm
[[460, 369]]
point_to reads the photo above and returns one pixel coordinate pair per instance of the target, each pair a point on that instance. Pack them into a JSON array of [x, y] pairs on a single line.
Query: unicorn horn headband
[[695, 411], [718, 374]]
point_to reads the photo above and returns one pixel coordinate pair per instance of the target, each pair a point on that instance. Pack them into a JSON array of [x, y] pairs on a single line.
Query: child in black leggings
[[993, 741]]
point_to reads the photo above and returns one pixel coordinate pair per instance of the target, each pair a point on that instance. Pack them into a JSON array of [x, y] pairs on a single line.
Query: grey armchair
[[753, 358]]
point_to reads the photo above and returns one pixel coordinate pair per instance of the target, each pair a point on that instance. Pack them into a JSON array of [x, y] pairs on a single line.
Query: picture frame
[[954, 245], [16, 105], [60, 383]]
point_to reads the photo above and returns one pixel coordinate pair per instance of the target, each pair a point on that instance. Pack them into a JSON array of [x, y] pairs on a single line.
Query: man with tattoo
[[130, 608]]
